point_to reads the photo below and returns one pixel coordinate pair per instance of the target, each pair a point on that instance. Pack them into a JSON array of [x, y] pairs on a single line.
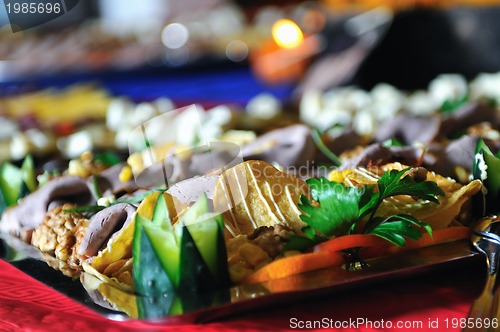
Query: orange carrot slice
[[329, 253], [369, 240], [293, 265], [350, 241], [438, 237]]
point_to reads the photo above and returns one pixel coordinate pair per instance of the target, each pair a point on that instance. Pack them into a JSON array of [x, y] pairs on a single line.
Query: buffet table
[[433, 300]]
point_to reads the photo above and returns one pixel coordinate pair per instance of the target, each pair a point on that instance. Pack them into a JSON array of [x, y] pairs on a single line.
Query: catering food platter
[[241, 299], [244, 209]]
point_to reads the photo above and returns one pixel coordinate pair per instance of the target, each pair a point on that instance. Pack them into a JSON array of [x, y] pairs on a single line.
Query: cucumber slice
[[199, 208], [150, 279], [208, 235], [222, 271], [185, 262], [191, 302], [195, 276], [10, 182], [28, 171], [160, 212], [155, 306], [207, 231], [165, 244], [205, 234], [156, 292], [23, 191], [3, 203]]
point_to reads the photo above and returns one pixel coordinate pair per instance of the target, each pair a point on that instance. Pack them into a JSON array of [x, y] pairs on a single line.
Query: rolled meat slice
[[188, 191], [377, 154], [29, 213], [109, 181], [104, 226], [290, 147]]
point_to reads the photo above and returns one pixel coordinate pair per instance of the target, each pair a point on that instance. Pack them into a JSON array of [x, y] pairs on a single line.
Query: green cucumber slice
[[24, 190], [207, 231], [205, 234], [28, 171], [199, 208], [3, 203], [165, 245], [160, 212], [184, 262], [10, 182], [155, 306], [222, 271], [195, 276], [150, 278]]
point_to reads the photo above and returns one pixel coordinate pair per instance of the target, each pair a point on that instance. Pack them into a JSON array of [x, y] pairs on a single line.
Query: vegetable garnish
[[349, 210], [95, 188], [16, 182], [486, 168], [331, 253], [177, 261], [297, 264], [452, 105], [392, 142], [374, 246], [316, 136], [107, 158]]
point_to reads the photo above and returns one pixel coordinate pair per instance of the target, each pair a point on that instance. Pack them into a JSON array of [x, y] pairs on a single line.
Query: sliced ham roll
[[104, 226], [19, 220]]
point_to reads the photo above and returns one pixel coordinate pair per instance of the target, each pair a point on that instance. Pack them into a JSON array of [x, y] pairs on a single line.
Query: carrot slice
[[293, 265], [328, 254], [350, 241], [369, 240], [438, 237]]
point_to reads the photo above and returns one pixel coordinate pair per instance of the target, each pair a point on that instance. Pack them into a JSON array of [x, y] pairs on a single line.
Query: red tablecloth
[[433, 301]]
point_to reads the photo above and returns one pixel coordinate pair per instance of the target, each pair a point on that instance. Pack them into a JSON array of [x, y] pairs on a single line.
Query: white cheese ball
[[448, 87], [264, 106], [421, 103], [310, 107], [486, 86], [387, 101]]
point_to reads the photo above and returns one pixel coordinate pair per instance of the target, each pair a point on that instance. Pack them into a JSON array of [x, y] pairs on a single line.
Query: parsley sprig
[[348, 210]]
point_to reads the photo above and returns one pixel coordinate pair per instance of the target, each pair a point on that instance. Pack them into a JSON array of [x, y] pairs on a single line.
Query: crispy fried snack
[[58, 236], [254, 194]]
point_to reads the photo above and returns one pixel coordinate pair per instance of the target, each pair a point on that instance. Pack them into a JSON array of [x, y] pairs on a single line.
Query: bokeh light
[[237, 51], [287, 34], [175, 35]]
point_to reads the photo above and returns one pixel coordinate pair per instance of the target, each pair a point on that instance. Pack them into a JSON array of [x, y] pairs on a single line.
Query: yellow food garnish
[[125, 174], [338, 176]]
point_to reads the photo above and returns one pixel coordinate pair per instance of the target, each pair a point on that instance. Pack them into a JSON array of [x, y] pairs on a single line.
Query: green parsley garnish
[[449, 106], [348, 210]]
